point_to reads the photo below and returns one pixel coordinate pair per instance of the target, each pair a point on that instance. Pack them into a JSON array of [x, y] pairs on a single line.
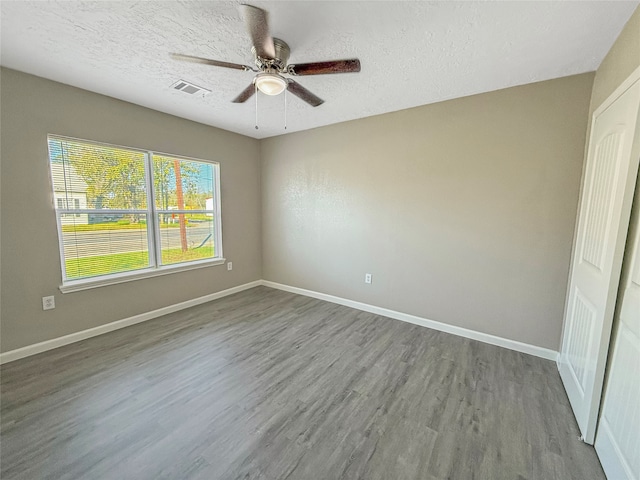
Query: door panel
[[600, 203], [610, 174], [579, 339], [618, 439]]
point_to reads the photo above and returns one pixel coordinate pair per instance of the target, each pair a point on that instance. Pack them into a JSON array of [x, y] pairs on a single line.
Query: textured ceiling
[[412, 53]]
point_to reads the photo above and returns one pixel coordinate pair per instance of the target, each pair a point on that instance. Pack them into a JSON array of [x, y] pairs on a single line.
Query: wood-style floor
[[269, 385]]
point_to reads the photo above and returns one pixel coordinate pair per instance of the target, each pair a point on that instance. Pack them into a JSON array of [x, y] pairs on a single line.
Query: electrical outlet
[[367, 278], [48, 303], [229, 265]]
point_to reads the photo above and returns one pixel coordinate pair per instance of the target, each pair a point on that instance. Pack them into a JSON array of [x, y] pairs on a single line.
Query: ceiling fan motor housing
[[279, 62]]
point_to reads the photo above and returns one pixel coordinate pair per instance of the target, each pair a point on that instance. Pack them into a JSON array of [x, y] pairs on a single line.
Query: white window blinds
[[122, 210]]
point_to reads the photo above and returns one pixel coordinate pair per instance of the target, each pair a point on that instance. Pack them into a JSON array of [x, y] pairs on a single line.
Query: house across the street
[[73, 197]]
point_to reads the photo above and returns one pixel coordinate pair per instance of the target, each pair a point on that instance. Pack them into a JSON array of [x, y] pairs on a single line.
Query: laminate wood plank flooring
[[266, 384]]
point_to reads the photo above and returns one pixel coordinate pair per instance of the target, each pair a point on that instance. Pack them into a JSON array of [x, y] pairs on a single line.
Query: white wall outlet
[[367, 278], [229, 265], [48, 303]]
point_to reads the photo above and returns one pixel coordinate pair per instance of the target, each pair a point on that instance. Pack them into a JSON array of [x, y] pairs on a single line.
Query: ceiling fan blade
[[304, 94], [245, 94], [321, 68], [206, 61], [257, 22]]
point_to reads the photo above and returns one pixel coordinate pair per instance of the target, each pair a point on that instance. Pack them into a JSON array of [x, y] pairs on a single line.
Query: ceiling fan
[[271, 57]]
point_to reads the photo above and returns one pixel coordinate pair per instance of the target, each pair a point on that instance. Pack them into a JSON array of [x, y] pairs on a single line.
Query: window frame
[[155, 267]]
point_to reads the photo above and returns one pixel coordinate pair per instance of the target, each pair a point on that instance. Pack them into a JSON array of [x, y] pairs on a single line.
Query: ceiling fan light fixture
[[270, 83]]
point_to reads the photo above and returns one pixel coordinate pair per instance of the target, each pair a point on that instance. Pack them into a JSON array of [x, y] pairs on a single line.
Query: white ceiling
[[412, 53]]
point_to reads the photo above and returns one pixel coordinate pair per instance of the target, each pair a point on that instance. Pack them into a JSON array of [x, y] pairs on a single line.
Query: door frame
[[588, 435]]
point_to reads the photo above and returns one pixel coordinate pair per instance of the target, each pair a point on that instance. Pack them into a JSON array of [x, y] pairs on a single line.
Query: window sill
[[78, 285]]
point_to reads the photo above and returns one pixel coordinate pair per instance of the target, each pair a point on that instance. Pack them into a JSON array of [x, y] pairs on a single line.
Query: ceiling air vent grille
[[189, 88]]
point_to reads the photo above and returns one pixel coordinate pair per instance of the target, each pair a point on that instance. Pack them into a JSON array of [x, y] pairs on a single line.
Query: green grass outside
[[176, 255], [124, 262]]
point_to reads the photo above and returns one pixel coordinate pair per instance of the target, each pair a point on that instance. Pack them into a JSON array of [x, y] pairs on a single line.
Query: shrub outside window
[[123, 212]]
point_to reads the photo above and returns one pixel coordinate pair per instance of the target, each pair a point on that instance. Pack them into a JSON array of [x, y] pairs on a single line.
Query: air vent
[[189, 88]]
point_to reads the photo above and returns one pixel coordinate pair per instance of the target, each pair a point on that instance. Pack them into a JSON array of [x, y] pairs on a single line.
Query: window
[[124, 213], [62, 204]]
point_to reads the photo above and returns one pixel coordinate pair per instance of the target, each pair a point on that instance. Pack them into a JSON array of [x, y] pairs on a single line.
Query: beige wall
[[463, 211], [620, 62], [33, 107]]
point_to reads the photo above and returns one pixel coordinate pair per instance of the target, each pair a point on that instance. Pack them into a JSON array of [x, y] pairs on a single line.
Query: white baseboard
[[423, 322], [29, 350], [405, 317]]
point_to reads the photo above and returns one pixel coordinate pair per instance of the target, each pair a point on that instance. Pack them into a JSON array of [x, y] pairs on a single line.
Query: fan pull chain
[[256, 107], [285, 108]]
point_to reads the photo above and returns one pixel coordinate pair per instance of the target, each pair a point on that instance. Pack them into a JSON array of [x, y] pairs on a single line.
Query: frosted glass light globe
[[270, 83]]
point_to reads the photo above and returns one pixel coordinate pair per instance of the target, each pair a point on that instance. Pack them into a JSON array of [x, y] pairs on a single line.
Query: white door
[[607, 194], [618, 438]]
